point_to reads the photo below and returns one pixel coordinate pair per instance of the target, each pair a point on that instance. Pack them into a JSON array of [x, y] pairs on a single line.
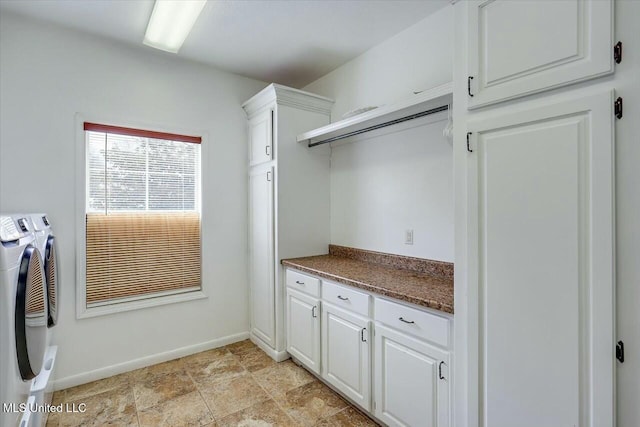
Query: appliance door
[[51, 275], [31, 314]]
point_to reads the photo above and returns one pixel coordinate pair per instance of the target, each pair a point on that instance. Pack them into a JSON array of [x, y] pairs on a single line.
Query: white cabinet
[[261, 137], [541, 265], [346, 358], [521, 47], [303, 329], [288, 201], [408, 373], [261, 273], [412, 386]]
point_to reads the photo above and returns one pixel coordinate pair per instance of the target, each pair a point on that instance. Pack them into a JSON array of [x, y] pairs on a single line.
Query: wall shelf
[[428, 102]]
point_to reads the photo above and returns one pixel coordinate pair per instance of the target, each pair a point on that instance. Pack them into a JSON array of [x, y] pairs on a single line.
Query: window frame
[[139, 302]]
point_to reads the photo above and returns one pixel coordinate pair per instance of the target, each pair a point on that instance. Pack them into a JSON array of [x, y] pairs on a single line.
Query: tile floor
[[236, 385]]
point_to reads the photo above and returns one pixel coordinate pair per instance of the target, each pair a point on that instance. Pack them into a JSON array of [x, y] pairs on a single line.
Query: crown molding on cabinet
[[283, 95]]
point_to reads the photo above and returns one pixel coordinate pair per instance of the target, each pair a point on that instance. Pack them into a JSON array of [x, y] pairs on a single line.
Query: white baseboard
[[109, 371], [276, 355]]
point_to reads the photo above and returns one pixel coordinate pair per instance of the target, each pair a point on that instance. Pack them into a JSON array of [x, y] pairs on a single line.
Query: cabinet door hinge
[[617, 107], [620, 351], [617, 52]]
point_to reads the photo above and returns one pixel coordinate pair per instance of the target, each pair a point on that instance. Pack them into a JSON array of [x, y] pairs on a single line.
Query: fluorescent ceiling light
[[170, 23]]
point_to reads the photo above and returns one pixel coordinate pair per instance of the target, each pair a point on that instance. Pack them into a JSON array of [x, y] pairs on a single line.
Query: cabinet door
[[261, 138], [521, 47], [411, 381], [303, 329], [261, 231], [346, 353], [541, 263]]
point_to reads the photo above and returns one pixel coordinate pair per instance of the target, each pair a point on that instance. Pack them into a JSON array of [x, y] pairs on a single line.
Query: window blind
[[142, 214]]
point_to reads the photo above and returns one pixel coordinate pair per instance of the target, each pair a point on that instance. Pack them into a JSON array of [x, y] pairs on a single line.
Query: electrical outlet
[[408, 237]]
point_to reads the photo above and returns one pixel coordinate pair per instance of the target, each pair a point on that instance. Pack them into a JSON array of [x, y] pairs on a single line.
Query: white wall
[[47, 75], [382, 185], [401, 177], [626, 82], [415, 59]]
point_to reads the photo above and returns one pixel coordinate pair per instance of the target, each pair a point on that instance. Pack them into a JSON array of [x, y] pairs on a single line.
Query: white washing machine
[[42, 387], [47, 246], [23, 316]]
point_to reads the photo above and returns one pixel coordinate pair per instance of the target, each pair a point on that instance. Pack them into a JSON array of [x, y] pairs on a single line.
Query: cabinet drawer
[[345, 297], [303, 282], [412, 321]]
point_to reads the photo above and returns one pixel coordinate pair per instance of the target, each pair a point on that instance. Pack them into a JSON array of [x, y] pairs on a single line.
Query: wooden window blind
[[142, 215]]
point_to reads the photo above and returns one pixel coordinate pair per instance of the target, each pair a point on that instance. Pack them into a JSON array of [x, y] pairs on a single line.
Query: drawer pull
[[313, 311], [299, 282], [343, 298], [440, 376], [362, 334], [405, 321]]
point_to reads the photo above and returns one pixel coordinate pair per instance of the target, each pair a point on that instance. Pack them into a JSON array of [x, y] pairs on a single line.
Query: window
[[142, 214]]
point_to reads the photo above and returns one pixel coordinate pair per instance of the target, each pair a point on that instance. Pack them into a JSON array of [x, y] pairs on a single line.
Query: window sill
[[105, 310]]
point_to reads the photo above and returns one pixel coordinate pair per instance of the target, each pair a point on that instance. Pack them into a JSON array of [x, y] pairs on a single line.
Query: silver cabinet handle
[[267, 150], [405, 321], [343, 298], [299, 282], [313, 311], [362, 335], [269, 176]]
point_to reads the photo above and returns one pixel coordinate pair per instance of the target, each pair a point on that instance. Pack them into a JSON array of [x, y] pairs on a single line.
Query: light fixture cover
[[170, 23]]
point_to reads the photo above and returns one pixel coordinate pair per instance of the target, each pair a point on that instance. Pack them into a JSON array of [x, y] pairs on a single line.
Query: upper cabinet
[[261, 137], [517, 48]]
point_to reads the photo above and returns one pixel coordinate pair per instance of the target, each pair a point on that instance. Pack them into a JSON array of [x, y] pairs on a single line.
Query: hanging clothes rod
[[381, 125]]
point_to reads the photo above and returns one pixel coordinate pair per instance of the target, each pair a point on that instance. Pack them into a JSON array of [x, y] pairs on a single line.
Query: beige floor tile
[[204, 356], [169, 367], [113, 407], [227, 397], [263, 414], [96, 387], [241, 347], [309, 403], [186, 410], [282, 377], [349, 417], [254, 360], [208, 371], [160, 388], [53, 420]]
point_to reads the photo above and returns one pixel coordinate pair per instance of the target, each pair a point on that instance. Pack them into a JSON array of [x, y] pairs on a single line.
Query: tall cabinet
[[288, 201], [539, 228]]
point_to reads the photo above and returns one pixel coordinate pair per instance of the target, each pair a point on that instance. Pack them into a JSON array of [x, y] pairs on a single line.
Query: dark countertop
[[416, 287]]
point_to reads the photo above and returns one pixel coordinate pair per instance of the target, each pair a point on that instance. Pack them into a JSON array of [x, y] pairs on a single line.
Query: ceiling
[[292, 42]]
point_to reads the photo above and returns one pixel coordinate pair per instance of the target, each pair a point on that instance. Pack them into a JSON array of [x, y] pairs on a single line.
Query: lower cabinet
[[391, 359], [411, 381], [303, 329], [346, 353]]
